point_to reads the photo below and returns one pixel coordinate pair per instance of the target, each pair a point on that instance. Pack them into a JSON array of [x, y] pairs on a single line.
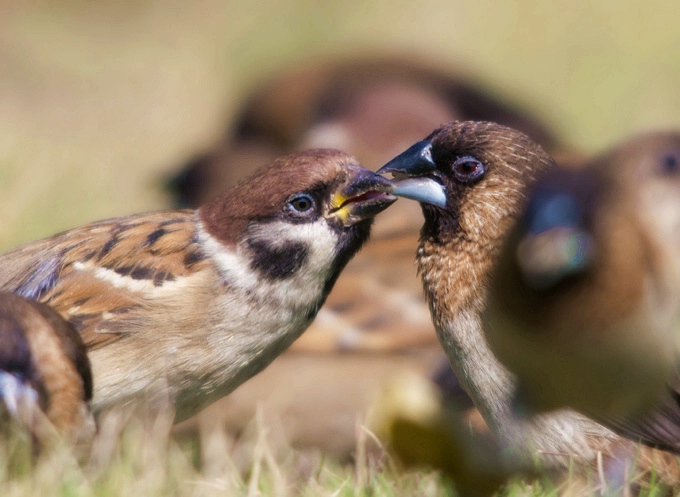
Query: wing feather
[[101, 275]]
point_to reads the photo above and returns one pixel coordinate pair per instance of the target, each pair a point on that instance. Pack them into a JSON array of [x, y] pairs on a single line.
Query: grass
[[144, 458], [133, 456]]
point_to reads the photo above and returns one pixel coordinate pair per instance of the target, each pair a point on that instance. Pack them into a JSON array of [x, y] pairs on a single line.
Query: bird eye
[[670, 164], [301, 203], [468, 169]]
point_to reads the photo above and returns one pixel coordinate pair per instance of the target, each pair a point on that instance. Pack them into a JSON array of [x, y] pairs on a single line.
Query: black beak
[[417, 166], [364, 195]]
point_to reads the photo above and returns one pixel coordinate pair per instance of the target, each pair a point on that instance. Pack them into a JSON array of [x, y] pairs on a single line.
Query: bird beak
[[363, 195], [416, 174]]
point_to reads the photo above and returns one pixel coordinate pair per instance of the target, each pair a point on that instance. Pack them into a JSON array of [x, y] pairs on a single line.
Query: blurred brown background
[[98, 100], [100, 103]]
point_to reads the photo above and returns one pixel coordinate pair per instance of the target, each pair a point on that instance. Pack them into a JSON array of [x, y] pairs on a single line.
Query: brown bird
[[471, 179], [371, 106], [45, 378], [187, 305], [375, 323], [584, 302]]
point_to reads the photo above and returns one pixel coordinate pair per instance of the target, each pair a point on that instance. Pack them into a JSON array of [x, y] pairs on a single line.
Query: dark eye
[[301, 203], [468, 169], [670, 164]]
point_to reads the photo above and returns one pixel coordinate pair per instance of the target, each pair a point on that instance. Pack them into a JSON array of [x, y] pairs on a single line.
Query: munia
[[471, 179]]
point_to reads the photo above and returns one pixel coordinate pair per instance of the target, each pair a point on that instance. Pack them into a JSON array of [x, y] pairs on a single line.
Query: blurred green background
[[98, 101]]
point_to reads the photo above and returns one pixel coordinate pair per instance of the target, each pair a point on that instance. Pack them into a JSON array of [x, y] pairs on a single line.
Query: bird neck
[[455, 277], [454, 274]]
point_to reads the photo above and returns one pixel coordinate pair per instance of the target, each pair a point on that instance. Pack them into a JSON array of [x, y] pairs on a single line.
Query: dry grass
[[134, 456]]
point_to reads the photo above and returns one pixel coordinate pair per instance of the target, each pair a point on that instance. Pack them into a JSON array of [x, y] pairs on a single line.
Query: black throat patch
[[277, 262]]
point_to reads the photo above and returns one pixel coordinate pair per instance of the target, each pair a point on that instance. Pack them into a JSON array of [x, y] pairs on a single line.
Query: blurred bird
[[471, 179], [371, 106], [187, 305], [375, 323], [584, 301], [424, 430], [45, 378]]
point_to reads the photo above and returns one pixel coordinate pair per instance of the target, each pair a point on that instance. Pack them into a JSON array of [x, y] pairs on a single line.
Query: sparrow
[[375, 323], [583, 306], [471, 179], [45, 377], [184, 306]]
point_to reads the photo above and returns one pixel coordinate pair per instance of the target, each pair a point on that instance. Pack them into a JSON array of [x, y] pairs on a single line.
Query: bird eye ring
[[467, 169], [301, 203]]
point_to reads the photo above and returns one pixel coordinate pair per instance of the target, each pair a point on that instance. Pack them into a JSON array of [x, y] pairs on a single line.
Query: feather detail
[[98, 275]]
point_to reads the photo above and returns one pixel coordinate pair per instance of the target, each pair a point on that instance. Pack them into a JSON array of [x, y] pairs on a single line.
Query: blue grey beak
[[417, 165]]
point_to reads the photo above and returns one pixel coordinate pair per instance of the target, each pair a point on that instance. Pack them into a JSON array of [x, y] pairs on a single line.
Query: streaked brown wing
[[98, 276]]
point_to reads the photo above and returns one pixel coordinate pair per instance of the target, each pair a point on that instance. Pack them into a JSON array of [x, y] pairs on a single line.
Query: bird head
[[612, 220], [303, 216], [468, 176]]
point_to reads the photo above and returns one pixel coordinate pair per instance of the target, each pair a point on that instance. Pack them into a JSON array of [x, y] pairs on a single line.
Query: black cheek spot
[[277, 262]]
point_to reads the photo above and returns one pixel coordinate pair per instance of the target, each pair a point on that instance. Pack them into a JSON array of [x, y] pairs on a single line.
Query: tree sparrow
[[187, 305], [45, 378]]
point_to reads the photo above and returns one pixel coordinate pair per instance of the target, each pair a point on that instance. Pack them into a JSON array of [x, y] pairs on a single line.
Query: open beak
[[364, 195], [416, 175]]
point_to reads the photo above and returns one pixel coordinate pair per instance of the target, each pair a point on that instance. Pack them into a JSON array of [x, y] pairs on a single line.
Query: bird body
[[186, 305], [483, 171], [587, 294], [44, 371]]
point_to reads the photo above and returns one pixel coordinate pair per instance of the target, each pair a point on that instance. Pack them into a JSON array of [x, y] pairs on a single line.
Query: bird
[[375, 323], [586, 291], [472, 179], [183, 306], [45, 377], [424, 429], [370, 105]]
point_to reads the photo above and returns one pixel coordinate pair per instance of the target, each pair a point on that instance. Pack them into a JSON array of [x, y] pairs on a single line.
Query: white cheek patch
[[304, 285]]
